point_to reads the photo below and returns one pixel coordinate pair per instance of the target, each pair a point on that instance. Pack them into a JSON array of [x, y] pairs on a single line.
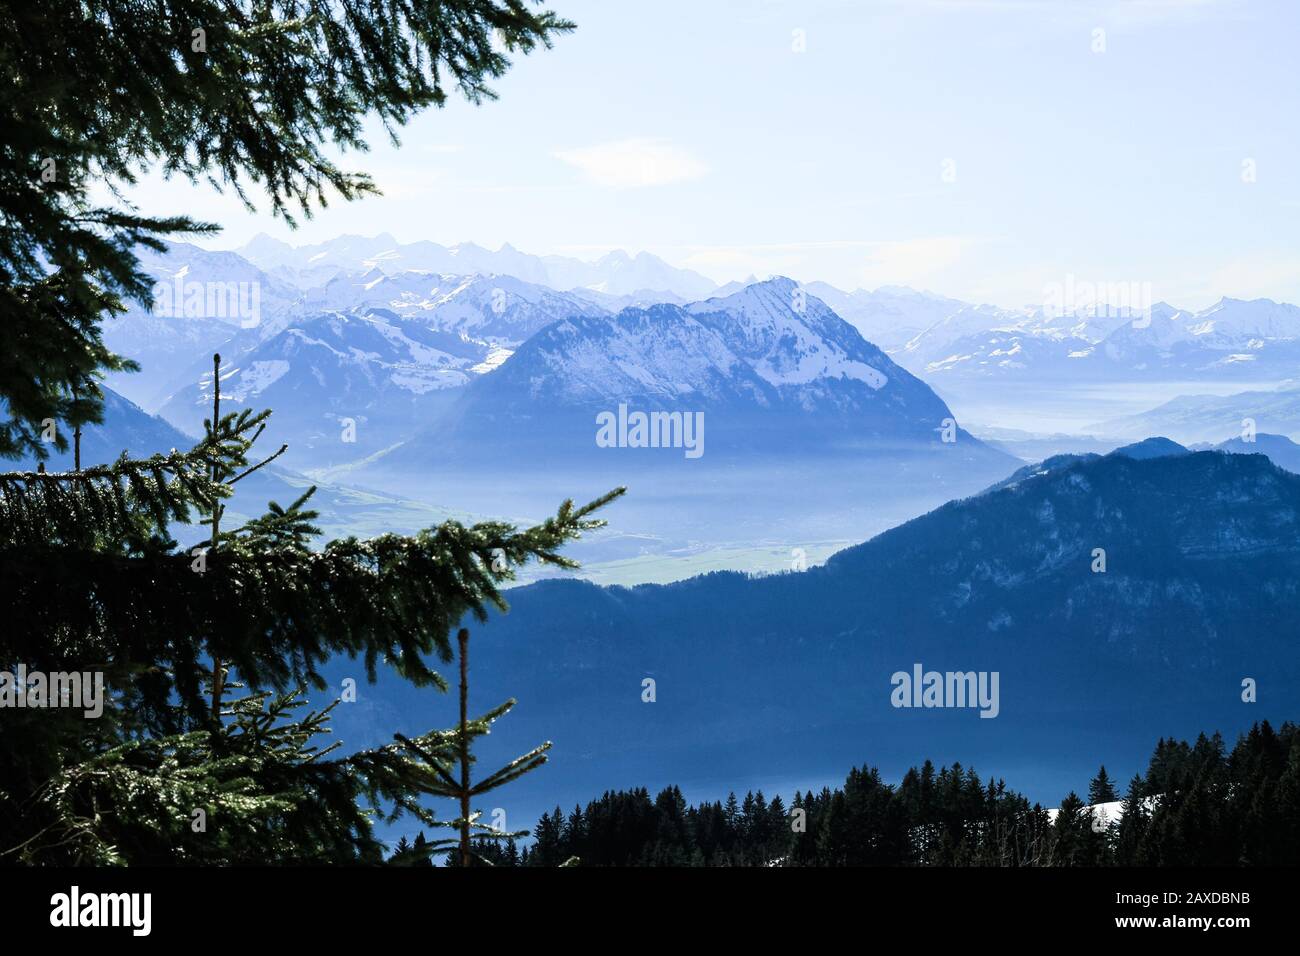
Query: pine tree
[[778, 830], [546, 848], [1071, 832], [832, 848], [1283, 841], [732, 813], [204, 746], [258, 601], [1101, 790], [421, 850], [403, 850], [573, 835], [460, 787], [1133, 821]]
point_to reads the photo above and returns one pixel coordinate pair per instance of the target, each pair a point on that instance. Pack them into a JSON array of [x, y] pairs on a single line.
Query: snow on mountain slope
[[202, 299], [771, 370], [375, 369], [1239, 324], [790, 338], [1137, 342], [943, 339], [656, 354], [889, 316], [753, 347], [1234, 339], [499, 310], [979, 337], [639, 299]]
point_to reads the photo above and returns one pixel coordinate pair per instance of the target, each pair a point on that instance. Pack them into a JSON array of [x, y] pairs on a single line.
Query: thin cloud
[[634, 163]]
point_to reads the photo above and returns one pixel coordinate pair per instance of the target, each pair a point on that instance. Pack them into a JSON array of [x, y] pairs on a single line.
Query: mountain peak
[[260, 245], [1228, 301], [1157, 447], [765, 289]]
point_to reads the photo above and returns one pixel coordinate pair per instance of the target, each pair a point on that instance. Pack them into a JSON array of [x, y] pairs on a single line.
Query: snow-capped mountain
[[1239, 324], [639, 299], [615, 273], [941, 343], [796, 344], [502, 297], [985, 339], [890, 316], [342, 385], [755, 348], [772, 370], [498, 310], [201, 299], [1234, 339], [1135, 344]]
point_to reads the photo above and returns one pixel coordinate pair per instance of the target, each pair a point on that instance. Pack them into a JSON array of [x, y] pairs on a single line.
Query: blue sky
[[982, 149]]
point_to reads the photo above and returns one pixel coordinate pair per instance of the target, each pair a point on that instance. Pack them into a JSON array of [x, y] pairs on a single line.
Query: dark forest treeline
[[1197, 804]]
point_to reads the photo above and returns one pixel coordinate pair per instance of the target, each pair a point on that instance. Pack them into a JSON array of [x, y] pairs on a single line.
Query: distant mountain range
[[1234, 340], [413, 375], [387, 370], [772, 372], [790, 675], [493, 309], [889, 316], [341, 385], [759, 416], [184, 326], [615, 273], [440, 387], [502, 297], [1212, 418]]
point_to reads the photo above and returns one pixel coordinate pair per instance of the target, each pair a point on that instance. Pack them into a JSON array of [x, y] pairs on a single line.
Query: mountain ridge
[[1196, 589]]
